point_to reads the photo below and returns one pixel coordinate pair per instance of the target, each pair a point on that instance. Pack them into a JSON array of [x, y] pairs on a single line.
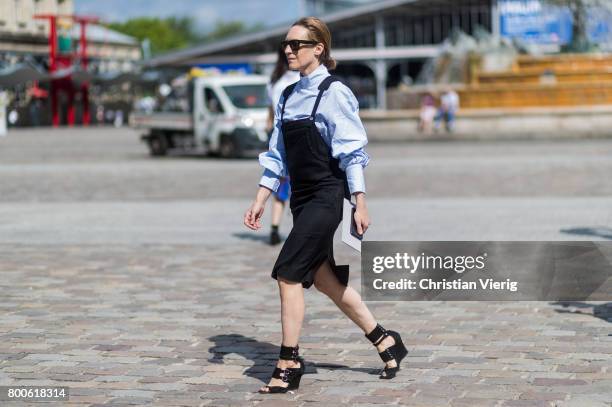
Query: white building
[[22, 36]]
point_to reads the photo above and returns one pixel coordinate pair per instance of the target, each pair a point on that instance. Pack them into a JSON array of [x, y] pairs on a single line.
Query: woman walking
[[318, 140]]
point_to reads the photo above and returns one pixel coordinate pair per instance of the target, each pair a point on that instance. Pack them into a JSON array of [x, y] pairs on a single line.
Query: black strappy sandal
[[396, 351], [290, 375]]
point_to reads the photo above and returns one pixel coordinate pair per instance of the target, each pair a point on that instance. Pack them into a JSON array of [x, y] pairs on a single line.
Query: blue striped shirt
[[337, 120]]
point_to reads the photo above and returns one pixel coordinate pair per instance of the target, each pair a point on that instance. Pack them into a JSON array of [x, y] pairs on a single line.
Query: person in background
[[427, 114], [281, 78], [449, 104]]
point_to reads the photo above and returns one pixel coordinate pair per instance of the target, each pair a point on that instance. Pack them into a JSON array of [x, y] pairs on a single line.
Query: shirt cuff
[[354, 176], [270, 180]]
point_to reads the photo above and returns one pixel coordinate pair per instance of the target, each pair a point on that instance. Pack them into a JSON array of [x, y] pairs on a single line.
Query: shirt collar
[[315, 77]]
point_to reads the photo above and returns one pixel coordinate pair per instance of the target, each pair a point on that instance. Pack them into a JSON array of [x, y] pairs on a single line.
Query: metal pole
[[55, 119], [380, 70], [84, 88], [495, 17], [85, 85]]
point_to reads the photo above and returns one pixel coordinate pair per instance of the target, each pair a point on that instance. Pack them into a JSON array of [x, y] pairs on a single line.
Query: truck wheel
[[158, 145], [227, 146]]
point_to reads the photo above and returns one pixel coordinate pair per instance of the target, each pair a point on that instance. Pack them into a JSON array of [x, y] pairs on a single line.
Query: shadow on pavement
[[264, 356], [601, 311], [602, 231], [265, 237]]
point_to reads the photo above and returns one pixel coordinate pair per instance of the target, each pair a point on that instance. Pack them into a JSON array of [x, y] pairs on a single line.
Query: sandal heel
[[294, 383], [290, 375], [396, 352], [399, 350]]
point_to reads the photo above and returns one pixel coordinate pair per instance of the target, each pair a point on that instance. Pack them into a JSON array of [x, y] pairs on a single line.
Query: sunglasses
[[295, 44]]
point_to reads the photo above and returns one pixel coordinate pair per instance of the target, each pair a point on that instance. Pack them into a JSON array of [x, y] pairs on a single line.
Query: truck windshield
[[247, 96]]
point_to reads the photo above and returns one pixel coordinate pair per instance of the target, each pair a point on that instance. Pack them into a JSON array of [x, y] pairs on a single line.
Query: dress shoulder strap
[[323, 86], [286, 94]]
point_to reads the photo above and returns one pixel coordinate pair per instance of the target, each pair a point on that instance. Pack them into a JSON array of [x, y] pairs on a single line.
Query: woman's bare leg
[[292, 316], [349, 301]]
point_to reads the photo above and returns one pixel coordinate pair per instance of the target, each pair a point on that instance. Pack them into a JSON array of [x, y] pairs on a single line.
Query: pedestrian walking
[[318, 139], [281, 77]]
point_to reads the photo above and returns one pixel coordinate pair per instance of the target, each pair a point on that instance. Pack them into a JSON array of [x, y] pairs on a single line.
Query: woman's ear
[[318, 50]]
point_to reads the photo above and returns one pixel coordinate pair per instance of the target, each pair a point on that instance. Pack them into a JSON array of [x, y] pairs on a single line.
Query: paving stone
[[473, 402], [378, 399], [540, 381], [533, 395], [527, 403]]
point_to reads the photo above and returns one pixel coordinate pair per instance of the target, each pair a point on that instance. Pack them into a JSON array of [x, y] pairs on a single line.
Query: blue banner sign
[[536, 22]]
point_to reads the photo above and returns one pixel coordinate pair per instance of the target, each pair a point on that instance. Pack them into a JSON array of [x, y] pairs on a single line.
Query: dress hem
[[341, 271]]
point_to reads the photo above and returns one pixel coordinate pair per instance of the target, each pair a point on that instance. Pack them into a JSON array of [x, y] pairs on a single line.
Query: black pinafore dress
[[318, 187]]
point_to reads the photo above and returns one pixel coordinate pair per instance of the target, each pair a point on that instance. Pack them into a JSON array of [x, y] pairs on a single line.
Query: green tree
[[226, 29], [186, 27], [579, 9], [164, 34], [173, 33]]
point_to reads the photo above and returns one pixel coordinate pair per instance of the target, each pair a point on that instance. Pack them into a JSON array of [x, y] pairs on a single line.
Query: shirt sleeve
[[348, 136], [274, 160]]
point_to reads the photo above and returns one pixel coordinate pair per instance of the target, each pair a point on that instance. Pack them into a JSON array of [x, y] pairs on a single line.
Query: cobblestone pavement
[[132, 281]]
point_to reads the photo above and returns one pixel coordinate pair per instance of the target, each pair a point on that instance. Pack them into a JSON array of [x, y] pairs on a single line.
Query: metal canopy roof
[[17, 74], [263, 42]]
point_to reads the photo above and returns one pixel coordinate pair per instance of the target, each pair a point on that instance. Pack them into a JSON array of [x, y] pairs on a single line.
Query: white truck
[[222, 115]]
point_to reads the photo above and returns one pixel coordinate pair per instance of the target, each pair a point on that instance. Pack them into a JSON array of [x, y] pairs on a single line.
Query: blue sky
[[205, 12]]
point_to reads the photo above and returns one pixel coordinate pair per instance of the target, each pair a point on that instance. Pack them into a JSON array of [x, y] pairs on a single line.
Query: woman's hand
[[252, 217], [362, 218]]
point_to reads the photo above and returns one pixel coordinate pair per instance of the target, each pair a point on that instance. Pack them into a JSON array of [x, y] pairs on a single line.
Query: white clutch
[[349, 227]]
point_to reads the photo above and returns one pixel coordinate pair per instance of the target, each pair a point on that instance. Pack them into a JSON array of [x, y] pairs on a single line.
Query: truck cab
[[221, 115]]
